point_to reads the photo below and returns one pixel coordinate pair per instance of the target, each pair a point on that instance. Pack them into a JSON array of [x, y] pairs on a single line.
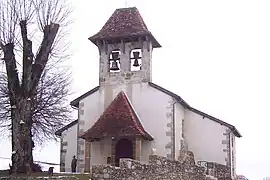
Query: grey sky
[[215, 56]]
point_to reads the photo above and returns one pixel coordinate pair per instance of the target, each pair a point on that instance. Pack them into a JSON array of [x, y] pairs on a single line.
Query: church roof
[[118, 120], [76, 101], [124, 24], [59, 131]]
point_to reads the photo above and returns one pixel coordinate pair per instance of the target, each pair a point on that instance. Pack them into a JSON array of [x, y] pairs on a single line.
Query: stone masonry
[[170, 146], [81, 143], [227, 149], [158, 168], [63, 151], [125, 76], [39, 178]]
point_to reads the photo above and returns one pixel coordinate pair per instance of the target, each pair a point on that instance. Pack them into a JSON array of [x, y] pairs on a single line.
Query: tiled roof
[[124, 24], [118, 120]]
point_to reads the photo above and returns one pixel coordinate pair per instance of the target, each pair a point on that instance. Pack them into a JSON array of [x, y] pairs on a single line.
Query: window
[[136, 60], [114, 61]]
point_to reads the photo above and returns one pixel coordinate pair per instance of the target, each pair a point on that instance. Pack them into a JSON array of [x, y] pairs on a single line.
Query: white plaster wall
[[100, 150], [146, 150], [92, 108], [152, 107], [204, 138], [179, 116], [70, 136]]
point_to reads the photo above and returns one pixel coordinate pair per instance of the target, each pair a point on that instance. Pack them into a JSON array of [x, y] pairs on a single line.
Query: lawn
[[4, 173]]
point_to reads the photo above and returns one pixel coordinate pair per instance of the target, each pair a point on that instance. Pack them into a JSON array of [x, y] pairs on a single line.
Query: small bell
[[136, 63], [136, 56], [115, 55], [114, 59], [114, 66]]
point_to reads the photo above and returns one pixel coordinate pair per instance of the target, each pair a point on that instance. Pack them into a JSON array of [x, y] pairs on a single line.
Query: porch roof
[[118, 120]]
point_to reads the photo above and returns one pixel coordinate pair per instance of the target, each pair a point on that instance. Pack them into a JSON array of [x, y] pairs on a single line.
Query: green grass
[[80, 176], [45, 174]]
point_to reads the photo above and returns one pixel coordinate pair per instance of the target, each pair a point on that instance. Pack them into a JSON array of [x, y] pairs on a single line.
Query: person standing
[[73, 164]]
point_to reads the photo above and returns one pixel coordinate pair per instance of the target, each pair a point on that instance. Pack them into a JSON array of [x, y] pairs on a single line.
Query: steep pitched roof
[[124, 24], [75, 103], [59, 131], [118, 120]]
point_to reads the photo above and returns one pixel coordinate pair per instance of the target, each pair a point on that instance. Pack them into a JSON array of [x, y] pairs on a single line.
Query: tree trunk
[[21, 116], [23, 159], [20, 94]]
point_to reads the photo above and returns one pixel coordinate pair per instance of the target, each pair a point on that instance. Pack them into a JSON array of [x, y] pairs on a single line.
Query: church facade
[[129, 116]]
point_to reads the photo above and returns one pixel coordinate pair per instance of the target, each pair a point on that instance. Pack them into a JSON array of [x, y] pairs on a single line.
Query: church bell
[[114, 66], [136, 56], [136, 63], [115, 57]]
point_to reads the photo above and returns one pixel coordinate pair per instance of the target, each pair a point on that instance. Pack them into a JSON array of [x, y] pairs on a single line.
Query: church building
[[129, 116]]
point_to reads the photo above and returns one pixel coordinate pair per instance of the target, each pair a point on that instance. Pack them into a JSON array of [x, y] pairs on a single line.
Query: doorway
[[123, 149]]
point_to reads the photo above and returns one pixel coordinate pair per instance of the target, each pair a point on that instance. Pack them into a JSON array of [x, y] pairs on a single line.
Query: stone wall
[[40, 178], [222, 172], [157, 168]]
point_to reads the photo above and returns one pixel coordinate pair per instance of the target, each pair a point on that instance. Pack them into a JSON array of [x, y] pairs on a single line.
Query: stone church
[[129, 116]]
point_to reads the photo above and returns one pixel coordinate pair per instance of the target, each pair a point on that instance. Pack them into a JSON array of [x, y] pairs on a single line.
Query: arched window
[[135, 59], [114, 60]]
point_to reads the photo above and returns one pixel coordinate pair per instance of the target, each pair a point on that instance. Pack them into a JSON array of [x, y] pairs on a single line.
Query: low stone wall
[[222, 171], [40, 178], [157, 168]]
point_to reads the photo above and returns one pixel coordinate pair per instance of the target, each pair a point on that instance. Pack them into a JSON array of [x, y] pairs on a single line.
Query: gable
[[75, 103], [186, 105], [118, 120]]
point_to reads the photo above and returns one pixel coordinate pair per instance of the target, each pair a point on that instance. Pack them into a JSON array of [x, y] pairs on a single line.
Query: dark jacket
[[73, 163]]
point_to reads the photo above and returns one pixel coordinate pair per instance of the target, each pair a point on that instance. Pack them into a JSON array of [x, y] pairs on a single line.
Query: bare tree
[[35, 93], [49, 107]]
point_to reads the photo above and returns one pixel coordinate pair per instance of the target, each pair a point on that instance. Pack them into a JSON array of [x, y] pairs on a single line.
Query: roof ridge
[[133, 7]]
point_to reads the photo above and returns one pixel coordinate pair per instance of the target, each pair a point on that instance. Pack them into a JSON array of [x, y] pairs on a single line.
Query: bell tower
[[125, 47]]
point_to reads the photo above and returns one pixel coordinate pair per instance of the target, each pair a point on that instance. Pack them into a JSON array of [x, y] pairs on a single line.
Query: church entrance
[[123, 149]]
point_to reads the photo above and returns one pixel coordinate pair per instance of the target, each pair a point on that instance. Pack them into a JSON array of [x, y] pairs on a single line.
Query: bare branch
[[42, 57], [31, 91], [50, 108]]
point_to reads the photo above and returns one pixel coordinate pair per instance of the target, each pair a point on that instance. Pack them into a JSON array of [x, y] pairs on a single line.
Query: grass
[[4, 173], [80, 176]]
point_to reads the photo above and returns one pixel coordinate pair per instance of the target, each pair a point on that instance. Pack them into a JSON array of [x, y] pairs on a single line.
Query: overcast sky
[[215, 55]]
